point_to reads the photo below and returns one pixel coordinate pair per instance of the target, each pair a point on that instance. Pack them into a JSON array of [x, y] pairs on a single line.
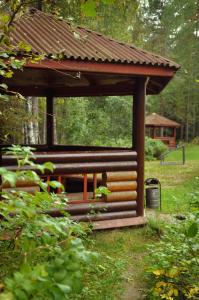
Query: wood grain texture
[[118, 223], [119, 176], [105, 216], [78, 156], [20, 183], [91, 167], [118, 186], [28, 189], [121, 196]]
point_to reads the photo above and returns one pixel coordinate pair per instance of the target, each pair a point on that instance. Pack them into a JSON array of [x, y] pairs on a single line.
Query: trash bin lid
[[151, 181]]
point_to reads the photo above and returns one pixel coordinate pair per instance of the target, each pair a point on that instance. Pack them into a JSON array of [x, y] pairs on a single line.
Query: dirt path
[[133, 292], [134, 289]]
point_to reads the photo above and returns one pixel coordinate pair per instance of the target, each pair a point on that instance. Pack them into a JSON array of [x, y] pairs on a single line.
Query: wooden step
[[119, 223]]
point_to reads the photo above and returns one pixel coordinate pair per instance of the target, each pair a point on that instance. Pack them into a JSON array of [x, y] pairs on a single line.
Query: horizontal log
[[28, 189], [65, 148], [20, 183], [76, 168], [117, 186], [105, 216], [84, 208], [119, 176], [121, 196], [89, 156]]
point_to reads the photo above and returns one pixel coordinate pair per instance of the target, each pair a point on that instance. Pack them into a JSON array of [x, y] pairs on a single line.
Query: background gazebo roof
[[157, 120], [51, 35]]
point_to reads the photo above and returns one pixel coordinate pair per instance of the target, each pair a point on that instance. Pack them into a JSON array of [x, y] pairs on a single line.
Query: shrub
[[47, 255], [154, 148], [195, 141], [173, 272]]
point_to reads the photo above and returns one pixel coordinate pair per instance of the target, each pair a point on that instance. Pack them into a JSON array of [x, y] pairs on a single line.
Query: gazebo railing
[[164, 155]]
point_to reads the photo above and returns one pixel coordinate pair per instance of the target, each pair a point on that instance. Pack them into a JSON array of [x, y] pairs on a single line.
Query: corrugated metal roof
[[157, 120], [49, 35]]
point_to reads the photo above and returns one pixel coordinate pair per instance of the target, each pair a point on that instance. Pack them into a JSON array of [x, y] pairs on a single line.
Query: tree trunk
[[187, 130], [35, 114], [31, 128], [43, 141], [55, 129]]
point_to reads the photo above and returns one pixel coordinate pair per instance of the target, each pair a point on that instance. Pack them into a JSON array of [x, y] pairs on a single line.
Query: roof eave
[[101, 67]]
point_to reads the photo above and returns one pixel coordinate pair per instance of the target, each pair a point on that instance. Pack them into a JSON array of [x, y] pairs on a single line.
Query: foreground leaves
[[174, 262], [52, 258]]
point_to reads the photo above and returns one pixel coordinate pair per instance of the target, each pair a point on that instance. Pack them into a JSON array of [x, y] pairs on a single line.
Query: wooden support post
[[85, 192], [48, 179], [139, 139], [94, 184], [154, 132], [50, 121], [59, 190]]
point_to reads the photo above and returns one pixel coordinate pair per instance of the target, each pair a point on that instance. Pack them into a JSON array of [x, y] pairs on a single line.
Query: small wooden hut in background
[[161, 128], [91, 65]]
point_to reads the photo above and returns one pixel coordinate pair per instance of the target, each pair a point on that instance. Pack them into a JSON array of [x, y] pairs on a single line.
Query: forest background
[[166, 27]]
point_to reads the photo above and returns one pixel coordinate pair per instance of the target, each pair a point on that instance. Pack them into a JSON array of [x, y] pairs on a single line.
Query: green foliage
[[195, 141], [155, 227], [52, 258], [167, 36], [102, 190], [103, 278], [104, 121], [154, 148], [194, 196], [173, 262]]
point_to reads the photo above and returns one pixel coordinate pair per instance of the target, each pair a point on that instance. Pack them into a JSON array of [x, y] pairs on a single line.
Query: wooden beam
[[111, 68], [50, 121], [78, 91], [139, 139]]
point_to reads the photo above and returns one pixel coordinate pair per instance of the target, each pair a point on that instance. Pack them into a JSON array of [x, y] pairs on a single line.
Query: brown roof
[[51, 35], [157, 120]]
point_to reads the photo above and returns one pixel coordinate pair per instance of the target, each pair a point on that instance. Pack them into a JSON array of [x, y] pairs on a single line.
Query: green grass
[[178, 181], [191, 154], [121, 263]]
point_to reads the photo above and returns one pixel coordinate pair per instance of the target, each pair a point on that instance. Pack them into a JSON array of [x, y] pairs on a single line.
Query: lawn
[[178, 181], [191, 154], [128, 246]]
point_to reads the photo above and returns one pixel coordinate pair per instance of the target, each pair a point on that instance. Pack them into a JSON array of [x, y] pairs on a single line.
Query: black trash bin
[[153, 193]]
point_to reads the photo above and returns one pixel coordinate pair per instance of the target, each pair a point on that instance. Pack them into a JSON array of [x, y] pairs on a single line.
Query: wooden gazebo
[[161, 128], [91, 64]]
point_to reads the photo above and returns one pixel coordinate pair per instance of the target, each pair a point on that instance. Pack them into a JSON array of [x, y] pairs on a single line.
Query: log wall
[[122, 185], [119, 174]]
